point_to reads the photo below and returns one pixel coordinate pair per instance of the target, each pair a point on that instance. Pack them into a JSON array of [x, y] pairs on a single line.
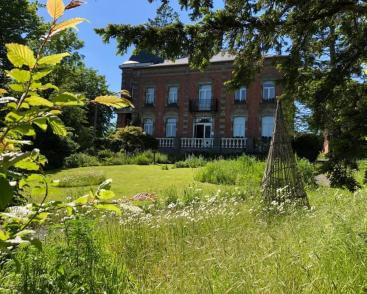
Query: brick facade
[[138, 77]]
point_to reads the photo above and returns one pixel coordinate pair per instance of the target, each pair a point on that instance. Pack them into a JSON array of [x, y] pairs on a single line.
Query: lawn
[[129, 180]]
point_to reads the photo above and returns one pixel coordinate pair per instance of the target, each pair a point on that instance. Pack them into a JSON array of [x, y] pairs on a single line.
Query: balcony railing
[[233, 143], [205, 105], [166, 142], [197, 143], [203, 143]]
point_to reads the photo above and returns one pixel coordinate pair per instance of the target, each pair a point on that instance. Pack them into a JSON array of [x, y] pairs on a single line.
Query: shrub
[[82, 179], [308, 172], [191, 161], [80, 160], [244, 171], [105, 154], [132, 139], [76, 263], [170, 195], [308, 146]]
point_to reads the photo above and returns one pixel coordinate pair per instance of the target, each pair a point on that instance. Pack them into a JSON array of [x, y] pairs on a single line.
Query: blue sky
[[98, 55]]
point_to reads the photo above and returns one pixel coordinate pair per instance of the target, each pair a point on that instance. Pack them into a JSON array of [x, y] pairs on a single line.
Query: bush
[[132, 139], [75, 263], [191, 161], [308, 146], [243, 171], [82, 179], [80, 160], [308, 172]]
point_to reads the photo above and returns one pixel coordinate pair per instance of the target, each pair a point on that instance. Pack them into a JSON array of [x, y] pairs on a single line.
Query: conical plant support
[[282, 182]]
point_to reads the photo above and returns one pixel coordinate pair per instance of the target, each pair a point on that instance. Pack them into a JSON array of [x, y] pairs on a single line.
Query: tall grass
[[224, 244]]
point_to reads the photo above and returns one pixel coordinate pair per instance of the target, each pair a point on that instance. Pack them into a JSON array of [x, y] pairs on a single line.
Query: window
[[148, 126], [149, 95], [268, 90], [239, 127], [240, 94], [205, 97], [172, 95], [267, 126], [171, 126]]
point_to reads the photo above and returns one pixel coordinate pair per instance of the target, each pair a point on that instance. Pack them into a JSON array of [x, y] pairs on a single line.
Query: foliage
[[76, 263], [80, 160], [19, 23], [324, 43], [191, 161], [307, 146], [132, 139], [25, 110], [308, 172], [244, 170]]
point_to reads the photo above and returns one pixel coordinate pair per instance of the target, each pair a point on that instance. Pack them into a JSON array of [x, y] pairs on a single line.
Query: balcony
[[269, 100], [205, 105], [203, 143]]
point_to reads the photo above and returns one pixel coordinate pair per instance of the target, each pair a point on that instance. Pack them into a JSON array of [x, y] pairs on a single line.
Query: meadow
[[201, 238]]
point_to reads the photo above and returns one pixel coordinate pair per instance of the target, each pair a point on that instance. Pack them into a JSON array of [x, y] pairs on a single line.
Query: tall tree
[[19, 22], [325, 42]]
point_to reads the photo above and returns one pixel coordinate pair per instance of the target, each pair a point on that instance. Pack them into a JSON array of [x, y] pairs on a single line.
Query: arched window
[[171, 126], [267, 126], [239, 127], [148, 126], [268, 90], [240, 94]]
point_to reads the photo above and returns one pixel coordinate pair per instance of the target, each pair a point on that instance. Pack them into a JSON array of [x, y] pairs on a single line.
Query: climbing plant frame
[[282, 181]]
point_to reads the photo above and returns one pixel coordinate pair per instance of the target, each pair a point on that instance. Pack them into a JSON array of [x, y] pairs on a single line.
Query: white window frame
[[172, 95], [150, 95], [148, 126], [268, 90], [267, 126], [239, 127], [171, 127], [240, 94], [205, 96]]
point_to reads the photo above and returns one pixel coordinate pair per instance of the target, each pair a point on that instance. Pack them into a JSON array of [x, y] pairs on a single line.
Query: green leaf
[[53, 59], [41, 74], [21, 76], [3, 92], [41, 122], [27, 164], [4, 235], [111, 207], [48, 86], [17, 87], [25, 130], [82, 200], [105, 194], [67, 99], [38, 101], [20, 55], [57, 126], [6, 194], [113, 101], [13, 117]]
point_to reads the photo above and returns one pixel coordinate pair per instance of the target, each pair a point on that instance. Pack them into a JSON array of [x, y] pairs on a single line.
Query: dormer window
[[172, 95], [269, 90], [240, 95], [149, 96]]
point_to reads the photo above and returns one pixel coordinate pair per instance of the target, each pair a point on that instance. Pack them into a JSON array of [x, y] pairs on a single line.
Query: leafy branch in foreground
[[25, 108]]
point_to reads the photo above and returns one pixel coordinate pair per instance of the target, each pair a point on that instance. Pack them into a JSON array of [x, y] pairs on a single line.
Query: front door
[[203, 131]]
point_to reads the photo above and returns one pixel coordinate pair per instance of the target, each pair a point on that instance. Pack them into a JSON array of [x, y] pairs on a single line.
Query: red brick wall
[[188, 81]]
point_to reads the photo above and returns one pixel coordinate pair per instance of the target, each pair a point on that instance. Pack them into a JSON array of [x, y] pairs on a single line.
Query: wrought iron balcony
[[207, 105]]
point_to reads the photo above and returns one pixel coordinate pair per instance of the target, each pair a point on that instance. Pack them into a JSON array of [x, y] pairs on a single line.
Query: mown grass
[[129, 180]]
